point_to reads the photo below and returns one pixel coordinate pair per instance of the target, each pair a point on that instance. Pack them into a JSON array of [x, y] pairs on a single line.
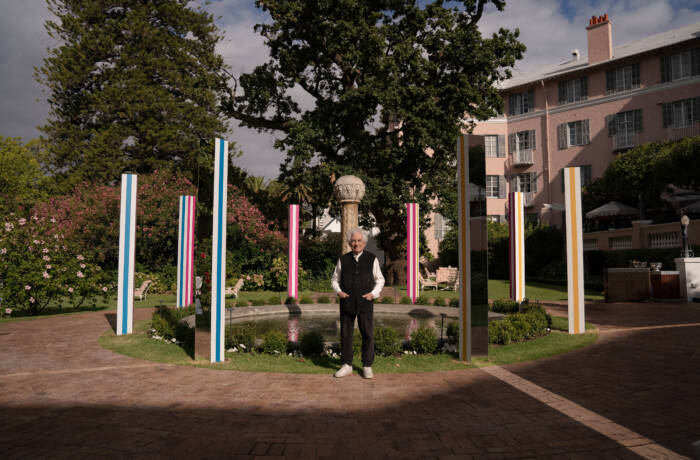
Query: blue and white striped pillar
[[127, 246], [218, 263]]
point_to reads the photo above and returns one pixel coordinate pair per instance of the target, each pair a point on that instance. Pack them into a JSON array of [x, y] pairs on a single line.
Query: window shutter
[[562, 136], [586, 133], [638, 120], [585, 174], [530, 101], [584, 87], [532, 139], [533, 182], [501, 149], [696, 109], [562, 92], [561, 174], [501, 187], [665, 68], [511, 143], [610, 120], [695, 61], [635, 75], [610, 80], [667, 115], [511, 104]]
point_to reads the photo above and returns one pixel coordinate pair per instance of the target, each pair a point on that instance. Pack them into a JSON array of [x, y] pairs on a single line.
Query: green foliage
[[324, 299], [501, 332], [531, 323], [273, 300], [320, 255], [21, 179], [423, 300], [166, 322], [453, 333], [277, 276], [440, 302], [356, 342], [120, 97], [359, 63], [449, 248], [240, 334], [454, 303], [274, 342], [386, 341], [306, 299], [405, 300], [424, 340], [312, 343], [258, 302], [386, 299], [39, 266], [504, 306]]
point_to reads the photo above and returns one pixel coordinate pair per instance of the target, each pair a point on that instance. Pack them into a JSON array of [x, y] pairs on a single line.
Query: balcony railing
[[686, 131], [520, 158], [664, 240], [620, 242], [625, 140]]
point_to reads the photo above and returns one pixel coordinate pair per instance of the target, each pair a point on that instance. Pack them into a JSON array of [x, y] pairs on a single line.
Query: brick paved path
[[633, 394]]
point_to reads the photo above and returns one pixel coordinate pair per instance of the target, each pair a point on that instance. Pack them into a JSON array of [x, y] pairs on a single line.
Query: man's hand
[[368, 296], [342, 295]]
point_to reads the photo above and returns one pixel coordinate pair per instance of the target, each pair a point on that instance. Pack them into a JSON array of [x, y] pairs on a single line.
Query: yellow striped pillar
[[516, 247], [465, 310], [574, 249]]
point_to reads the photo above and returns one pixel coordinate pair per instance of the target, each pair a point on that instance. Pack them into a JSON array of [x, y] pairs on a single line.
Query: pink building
[[583, 111]]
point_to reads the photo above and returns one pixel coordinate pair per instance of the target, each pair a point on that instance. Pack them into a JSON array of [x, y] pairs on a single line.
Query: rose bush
[[40, 266]]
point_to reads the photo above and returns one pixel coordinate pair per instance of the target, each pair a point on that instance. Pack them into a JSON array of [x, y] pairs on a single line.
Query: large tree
[[134, 85], [389, 79]]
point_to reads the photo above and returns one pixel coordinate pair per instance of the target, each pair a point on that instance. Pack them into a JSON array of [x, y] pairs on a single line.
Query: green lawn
[[139, 345]]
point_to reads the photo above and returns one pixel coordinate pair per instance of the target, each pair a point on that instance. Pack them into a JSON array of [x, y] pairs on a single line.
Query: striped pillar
[[127, 246], [412, 237], [185, 253], [574, 249], [218, 263], [465, 301], [293, 269], [516, 249]]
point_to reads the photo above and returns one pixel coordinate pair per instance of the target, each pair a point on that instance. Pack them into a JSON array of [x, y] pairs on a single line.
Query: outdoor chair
[[234, 290], [143, 290], [426, 283], [448, 276]]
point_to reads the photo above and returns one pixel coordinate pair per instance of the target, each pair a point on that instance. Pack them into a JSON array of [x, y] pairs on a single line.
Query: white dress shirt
[[376, 273]]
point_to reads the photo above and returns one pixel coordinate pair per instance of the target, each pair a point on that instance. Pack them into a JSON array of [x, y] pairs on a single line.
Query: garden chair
[[448, 276], [425, 283], [234, 290], [143, 290]]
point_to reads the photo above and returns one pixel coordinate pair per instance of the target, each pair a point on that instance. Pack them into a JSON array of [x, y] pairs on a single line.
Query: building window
[[623, 128], [495, 187], [573, 90], [522, 140], [573, 133], [495, 146], [522, 102], [622, 79], [526, 182], [586, 175], [680, 65], [441, 226], [681, 114]]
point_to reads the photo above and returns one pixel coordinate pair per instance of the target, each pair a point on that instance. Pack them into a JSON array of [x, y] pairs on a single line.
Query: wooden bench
[[234, 290]]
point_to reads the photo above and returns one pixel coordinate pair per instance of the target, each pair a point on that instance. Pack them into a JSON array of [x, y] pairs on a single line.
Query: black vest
[[357, 279]]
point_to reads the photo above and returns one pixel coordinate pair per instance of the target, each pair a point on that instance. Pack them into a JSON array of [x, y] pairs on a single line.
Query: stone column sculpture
[[349, 190]]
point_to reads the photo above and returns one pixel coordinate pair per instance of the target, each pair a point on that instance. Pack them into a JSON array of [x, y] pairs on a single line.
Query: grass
[[139, 345], [498, 289], [561, 323]]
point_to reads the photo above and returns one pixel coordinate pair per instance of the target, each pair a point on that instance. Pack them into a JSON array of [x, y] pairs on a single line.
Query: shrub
[[453, 333], [252, 282], [424, 340], [290, 301], [505, 306], [312, 343], [274, 342], [276, 279], [405, 300], [323, 299], [439, 302], [166, 322], [306, 299], [423, 300], [501, 332], [385, 299], [516, 327], [240, 334], [257, 302], [320, 255], [454, 302], [386, 341]]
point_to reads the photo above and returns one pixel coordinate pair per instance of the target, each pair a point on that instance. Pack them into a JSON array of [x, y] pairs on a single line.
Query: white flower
[[173, 340], [53, 221], [45, 250], [104, 288], [70, 289], [27, 287], [79, 257], [8, 311], [46, 258], [79, 274], [46, 275], [36, 242], [48, 266], [82, 265], [31, 299], [3, 251], [22, 221]]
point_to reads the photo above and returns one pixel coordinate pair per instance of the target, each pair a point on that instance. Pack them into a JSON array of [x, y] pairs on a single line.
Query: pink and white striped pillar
[[293, 270], [412, 238], [185, 255]]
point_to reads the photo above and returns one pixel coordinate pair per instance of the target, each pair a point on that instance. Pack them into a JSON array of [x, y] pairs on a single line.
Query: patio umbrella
[[611, 210]]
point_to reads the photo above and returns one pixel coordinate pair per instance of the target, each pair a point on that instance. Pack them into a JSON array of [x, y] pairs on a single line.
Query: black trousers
[[347, 325]]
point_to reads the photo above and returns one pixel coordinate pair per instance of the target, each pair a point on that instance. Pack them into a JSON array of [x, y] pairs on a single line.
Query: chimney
[[575, 55], [599, 39]]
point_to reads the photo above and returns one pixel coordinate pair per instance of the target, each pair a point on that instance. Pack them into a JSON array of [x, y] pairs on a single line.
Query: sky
[[549, 28]]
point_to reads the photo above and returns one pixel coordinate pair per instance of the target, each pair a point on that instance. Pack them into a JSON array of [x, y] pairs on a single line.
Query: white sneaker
[[367, 372], [346, 369]]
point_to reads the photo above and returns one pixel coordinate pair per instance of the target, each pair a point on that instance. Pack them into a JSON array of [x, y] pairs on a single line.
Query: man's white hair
[[359, 230]]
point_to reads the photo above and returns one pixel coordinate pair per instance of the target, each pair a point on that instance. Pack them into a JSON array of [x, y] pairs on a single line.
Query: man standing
[[357, 280]]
